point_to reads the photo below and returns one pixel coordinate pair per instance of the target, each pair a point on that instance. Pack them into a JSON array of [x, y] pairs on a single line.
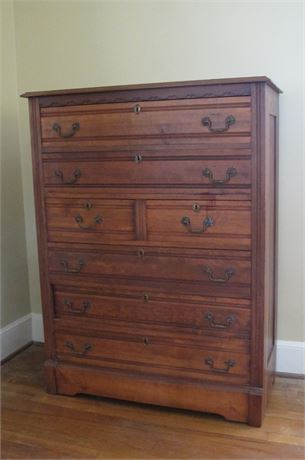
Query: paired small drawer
[[89, 126], [202, 224], [153, 354]]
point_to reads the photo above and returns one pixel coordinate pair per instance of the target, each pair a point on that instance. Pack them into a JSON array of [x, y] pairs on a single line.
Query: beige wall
[[15, 300], [79, 44]]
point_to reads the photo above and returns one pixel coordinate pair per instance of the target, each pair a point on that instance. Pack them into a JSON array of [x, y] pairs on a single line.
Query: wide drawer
[[145, 122], [141, 169], [224, 275], [202, 224], [154, 355], [149, 308], [87, 220]]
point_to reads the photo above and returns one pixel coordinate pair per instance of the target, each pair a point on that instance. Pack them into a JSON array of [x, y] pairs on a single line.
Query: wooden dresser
[[156, 225]]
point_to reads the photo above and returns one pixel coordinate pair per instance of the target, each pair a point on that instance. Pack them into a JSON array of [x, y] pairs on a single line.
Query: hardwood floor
[[41, 426]]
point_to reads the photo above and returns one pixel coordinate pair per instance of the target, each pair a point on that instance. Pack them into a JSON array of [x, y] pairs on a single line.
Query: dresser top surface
[[192, 83]]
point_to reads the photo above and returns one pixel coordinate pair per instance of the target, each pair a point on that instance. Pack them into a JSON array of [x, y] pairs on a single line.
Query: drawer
[[87, 220], [205, 224], [146, 122], [142, 169], [221, 275], [153, 354], [149, 308]]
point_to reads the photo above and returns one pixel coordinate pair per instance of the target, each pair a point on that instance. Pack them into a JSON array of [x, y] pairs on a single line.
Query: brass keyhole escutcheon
[[137, 109], [138, 158], [196, 207], [146, 297], [88, 205], [141, 252], [145, 341]]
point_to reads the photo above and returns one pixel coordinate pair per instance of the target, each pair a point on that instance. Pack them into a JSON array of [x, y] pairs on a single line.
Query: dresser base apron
[[233, 404]]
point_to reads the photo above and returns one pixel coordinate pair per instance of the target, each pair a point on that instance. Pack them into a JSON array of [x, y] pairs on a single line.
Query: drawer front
[[140, 169], [156, 121], [217, 274], [153, 353], [151, 309], [90, 220], [205, 224]]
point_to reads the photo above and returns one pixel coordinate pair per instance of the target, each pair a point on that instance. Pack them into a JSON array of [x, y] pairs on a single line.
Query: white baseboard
[[290, 356], [16, 335], [37, 327]]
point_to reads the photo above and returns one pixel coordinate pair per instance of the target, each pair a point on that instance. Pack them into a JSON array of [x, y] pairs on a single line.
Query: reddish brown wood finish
[[157, 261]]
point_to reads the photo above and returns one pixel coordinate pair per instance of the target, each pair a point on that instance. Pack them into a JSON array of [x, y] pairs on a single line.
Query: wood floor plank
[[38, 425]]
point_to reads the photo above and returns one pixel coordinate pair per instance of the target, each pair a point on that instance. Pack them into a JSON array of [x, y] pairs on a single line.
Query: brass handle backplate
[[230, 172], [67, 269], [86, 348], [76, 175], [229, 272], [208, 222], [84, 307], [57, 128], [80, 221], [229, 121], [228, 363], [213, 324]]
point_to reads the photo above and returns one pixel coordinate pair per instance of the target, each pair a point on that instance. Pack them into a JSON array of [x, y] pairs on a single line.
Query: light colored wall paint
[[15, 300], [80, 44]]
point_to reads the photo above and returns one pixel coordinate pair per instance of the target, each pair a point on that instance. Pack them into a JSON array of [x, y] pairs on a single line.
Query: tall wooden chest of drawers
[[156, 226]]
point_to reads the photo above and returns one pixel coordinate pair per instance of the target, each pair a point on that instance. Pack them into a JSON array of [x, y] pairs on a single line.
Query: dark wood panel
[[152, 352], [154, 120], [146, 308], [87, 220], [221, 225], [140, 169], [221, 274]]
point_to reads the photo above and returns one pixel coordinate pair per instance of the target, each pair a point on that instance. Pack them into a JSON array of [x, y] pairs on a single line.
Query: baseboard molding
[[16, 335], [290, 356], [37, 327]]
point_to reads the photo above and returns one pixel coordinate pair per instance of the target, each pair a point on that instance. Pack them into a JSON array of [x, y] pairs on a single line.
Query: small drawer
[[90, 220], [144, 169], [156, 122], [202, 224], [149, 308], [218, 275], [153, 354]]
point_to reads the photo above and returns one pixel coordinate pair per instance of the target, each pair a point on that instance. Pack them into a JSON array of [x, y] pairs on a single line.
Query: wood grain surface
[[37, 425]]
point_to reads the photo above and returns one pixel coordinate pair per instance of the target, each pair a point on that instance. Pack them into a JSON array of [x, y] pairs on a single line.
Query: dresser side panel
[[41, 226]]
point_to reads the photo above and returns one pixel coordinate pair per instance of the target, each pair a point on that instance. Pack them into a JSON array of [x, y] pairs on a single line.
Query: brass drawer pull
[[76, 174], [84, 307], [231, 172], [138, 158], [87, 347], [137, 109], [146, 341], [213, 324], [57, 128], [67, 269], [208, 222], [229, 363], [229, 121], [228, 274], [80, 221]]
